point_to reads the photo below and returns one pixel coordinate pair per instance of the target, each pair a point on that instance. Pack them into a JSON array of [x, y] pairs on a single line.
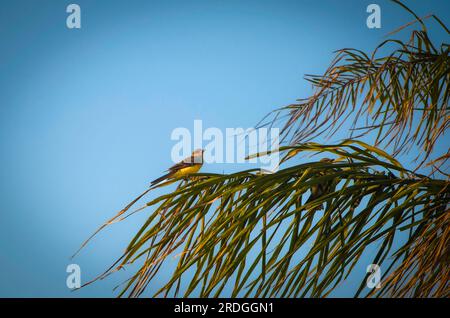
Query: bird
[[320, 189], [187, 166]]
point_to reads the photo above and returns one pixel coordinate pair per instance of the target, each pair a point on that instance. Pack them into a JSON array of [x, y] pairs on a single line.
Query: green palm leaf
[[302, 230]]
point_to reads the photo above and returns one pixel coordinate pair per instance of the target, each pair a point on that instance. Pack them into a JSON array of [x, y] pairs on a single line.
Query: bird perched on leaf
[[187, 166], [320, 189]]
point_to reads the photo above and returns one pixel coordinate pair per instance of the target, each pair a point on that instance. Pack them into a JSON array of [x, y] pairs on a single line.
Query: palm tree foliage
[[302, 230], [402, 95]]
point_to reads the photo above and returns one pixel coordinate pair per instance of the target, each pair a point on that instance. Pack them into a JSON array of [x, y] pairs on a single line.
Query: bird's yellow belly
[[186, 171]]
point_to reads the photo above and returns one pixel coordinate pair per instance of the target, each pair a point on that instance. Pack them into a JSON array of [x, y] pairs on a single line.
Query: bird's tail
[[156, 181]]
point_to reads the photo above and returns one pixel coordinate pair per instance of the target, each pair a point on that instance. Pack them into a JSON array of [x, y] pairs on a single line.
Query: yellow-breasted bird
[[320, 189], [187, 166]]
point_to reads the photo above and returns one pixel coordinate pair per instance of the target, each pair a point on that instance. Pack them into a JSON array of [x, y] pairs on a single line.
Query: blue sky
[[86, 115]]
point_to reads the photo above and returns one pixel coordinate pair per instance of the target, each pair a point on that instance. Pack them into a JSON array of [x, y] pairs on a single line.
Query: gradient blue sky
[[86, 115]]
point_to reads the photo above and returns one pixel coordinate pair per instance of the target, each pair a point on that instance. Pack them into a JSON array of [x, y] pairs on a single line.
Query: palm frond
[[403, 96], [261, 234], [302, 230]]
